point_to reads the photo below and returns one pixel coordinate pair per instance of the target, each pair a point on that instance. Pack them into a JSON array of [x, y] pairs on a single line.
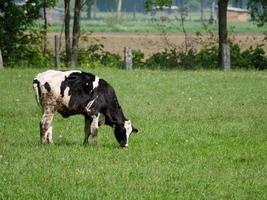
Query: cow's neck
[[115, 116]]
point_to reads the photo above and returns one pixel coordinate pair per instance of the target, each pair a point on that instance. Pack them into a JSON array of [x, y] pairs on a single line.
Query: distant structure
[[54, 14], [237, 14]]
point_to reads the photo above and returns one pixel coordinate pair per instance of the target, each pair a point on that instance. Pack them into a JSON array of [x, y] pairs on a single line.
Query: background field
[[203, 135], [146, 23], [151, 35]]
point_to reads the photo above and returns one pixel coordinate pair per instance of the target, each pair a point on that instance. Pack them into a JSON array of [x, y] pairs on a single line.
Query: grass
[[203, 135], [108, 22]]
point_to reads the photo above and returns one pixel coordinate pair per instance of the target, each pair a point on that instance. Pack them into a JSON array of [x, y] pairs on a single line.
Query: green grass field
[[108, 22], [203, 135]]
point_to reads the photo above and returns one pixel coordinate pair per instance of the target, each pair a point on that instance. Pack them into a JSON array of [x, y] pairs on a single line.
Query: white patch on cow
[[35, 86], [96, 82], [94, 124], [66, 97], [54, 79], [49, 135], [89, 105], [129, 129]]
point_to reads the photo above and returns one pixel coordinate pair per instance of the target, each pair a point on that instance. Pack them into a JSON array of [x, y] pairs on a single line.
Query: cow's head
[[123, 131]]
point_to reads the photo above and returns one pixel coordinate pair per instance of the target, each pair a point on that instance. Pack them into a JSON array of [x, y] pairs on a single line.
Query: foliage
[[96, 54], [206, 58], [258, 11], [138, 58], [163, 60], [15, 43], [49, 3], [150, 3], [257, 57]]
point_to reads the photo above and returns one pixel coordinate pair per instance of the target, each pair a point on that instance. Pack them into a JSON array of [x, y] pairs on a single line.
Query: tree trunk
[[222, 15], [76, 32], [57, 53], [1, 61], [182, 5], [94, 9], [212, 12], [45, 28], [201, 10], [119, 8], [89, 11], [67, 32]]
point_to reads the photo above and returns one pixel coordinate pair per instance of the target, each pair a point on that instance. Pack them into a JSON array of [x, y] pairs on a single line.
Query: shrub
[[96, 55], [207, 58], [168, 59], [138, 59], [256, 57]]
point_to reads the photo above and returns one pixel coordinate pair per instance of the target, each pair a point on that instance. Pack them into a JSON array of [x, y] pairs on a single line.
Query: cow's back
[[48, 86]]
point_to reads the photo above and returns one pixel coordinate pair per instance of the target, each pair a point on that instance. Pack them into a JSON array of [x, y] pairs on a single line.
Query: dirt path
[[150, 43]]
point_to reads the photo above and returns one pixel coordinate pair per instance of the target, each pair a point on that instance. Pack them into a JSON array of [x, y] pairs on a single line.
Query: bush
[[168, 59], [207, 58], [256, 57], [96, 55], [138, 59]]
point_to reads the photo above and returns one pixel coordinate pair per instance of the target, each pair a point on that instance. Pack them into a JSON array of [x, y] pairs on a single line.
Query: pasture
[[202, 135]]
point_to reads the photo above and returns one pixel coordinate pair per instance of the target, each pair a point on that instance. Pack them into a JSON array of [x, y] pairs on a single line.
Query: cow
[[77, 92]]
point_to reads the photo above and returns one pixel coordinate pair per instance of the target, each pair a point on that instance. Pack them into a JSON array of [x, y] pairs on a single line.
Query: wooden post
[[1, 61], [226, 58], [57, 53], [128, 58]]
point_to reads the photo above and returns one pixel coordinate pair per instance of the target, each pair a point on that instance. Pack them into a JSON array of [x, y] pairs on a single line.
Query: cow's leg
[[94, 127], [46, 127], [87, 131]]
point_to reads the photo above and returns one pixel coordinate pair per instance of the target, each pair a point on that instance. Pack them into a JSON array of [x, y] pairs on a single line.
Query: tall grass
[[203, 135]]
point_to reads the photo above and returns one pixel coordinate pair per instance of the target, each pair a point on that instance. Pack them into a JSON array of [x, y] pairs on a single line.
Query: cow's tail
[[37, 89]]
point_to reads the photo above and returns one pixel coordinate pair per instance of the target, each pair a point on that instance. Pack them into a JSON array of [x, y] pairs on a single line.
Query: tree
[[222, 17], [201, 10], [258, 11], [15, 20], [150, 3], [119, 6], [67, 32], [76, 32], [46, 4], [72, 50]]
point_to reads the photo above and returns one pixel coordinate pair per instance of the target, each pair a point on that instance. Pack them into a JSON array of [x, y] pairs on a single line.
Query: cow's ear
[[135, 130]]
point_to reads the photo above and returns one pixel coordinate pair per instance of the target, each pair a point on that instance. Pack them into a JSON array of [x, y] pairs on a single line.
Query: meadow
[[202, 135], [146, 23]]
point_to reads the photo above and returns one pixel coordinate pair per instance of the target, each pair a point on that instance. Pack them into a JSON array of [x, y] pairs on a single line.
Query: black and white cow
[[76, 92]]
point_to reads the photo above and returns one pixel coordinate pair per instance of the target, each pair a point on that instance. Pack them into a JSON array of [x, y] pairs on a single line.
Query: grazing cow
[[76, 92]]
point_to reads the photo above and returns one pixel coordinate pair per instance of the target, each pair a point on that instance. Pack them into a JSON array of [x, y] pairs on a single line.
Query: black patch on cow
[[120, 134], [47, 86], [81, 93], [35, 81]]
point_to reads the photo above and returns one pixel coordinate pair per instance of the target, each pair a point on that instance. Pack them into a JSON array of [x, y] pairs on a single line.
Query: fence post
[[1, 61], [57, 53], [226, 56], [128, 58]]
